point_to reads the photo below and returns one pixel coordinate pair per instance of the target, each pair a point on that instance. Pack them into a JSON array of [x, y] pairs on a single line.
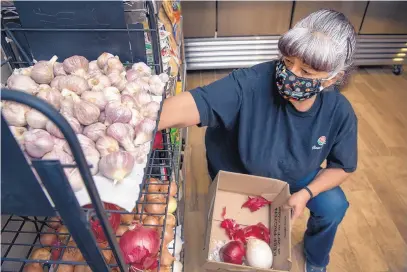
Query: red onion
[[140, 246], [114, 220], [233, 252]]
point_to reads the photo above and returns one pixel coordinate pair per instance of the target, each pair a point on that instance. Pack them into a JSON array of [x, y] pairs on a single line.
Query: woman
[[282, 119]]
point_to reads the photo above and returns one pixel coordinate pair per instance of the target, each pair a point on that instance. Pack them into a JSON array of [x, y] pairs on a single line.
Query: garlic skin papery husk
[[18, 133], [36, 119], [67, 106], [58, 154], [98, 83], [123, 133], [59, 69], [55, 82], [96, 98], [106, 145], [117, 165], [136, 118], [142, 138], [73, 83], [116, 112], [75, 179], [43, 71], [143, 83], [112, 94], [14, 113], [102, 59], [142, 69], [22, 83], [141, 99], [38, 142], [23, 71], [95, 131], [54, 130], [113, 64], [52, 96], [76, 65], [156, 85], [132, 88], [118, 79], [150, 110]]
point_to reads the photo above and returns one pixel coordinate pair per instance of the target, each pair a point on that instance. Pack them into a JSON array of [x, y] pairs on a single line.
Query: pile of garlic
[[112, 111]]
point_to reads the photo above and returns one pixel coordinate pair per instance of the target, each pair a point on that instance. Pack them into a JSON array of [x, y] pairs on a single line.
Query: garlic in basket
[[117, 165], [22, 83], [117, 79], [116, 112], [150, 110], [52, 96], [102, 59], [86, 112], [111, 94], [59, 69], [95, 131], [14, 113], [141, 99], [97, 98], [99, 82], [38, 142], [142, 69], [76, 65], [123, 133], [36, 119], [73, 83], [113, 64], [43, 71], [106, 145]]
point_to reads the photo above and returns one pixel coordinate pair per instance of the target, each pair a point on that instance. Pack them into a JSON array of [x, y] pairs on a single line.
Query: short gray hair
[[325, 40]]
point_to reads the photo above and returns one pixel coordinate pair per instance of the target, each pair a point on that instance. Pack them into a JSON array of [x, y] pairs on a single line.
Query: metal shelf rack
[[23, 223]]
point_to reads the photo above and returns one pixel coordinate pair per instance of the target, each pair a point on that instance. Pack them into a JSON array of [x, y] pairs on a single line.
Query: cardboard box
[[230, 190]]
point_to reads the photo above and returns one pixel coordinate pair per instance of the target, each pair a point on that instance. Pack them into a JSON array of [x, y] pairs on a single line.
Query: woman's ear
[[337, 78]]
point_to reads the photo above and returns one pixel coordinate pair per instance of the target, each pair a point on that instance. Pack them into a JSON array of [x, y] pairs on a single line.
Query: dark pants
[[327, 211]]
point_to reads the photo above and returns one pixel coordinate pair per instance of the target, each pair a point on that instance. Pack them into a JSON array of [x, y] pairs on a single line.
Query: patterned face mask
[[298, 88]]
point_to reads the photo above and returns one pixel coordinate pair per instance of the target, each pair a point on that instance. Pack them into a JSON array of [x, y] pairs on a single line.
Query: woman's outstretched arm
[[179, 111]]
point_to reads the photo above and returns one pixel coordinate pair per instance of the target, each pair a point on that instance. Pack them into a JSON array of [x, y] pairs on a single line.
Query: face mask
[[292, 87]]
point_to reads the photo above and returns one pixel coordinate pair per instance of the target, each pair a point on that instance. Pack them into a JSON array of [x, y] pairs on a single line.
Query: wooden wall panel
[[243, 18], [388, 17], [199, 18], [352, 9]]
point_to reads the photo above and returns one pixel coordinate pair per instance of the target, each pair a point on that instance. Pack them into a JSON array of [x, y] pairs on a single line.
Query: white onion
[[36, 119], [259, 254]]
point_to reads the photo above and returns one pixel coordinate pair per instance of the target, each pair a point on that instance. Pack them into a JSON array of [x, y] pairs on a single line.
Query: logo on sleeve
[[321, 141]]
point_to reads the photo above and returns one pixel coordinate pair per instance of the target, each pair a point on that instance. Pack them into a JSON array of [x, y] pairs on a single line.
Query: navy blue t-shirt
[[253, 130]]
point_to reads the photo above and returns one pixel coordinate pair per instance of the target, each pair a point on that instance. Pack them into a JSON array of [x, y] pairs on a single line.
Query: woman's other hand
[[297, 202]]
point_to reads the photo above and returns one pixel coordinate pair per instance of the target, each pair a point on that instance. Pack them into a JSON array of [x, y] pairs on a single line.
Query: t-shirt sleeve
[[219, 102], [344, 153]]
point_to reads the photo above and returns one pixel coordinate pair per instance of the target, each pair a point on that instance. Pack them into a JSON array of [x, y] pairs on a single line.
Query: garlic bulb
[[95, 131], [113, 64], [164, 77], [102, 59], [52, 96], [96, 98], [59, 143], [123, 133], [136, 118], [58, 154], [73, 83], [140, 152], [36, 119], [147, 126], [141, 99], [102, 117], [106, 145], [98, 83], [54, 130], [86, 112], [117, 165], [67, 106], [38, 142], [92, 157], [93, 66], [132, 75], [128, 101], [142, 69], [59, 69], [112, 94], [75, 180], [43, 71], [143, 83], [14, 113], [18, 133], [150, 110], [84, 141], [117, 79], [76, 65], [156, 85], [55, 82], [132, 88], [22, 83], [116, 112], [23, 71], [142, 138]]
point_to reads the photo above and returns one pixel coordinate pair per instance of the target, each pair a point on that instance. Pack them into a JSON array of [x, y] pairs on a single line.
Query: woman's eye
[[306, 72]]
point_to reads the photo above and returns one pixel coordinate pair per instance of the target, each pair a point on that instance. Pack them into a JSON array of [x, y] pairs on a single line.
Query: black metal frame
[[71, 213]]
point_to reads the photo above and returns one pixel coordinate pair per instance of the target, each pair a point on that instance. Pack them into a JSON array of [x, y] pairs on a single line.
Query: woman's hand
[[297, 202]]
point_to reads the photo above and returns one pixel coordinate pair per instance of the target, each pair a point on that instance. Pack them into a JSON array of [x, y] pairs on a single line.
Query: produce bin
[[47, 224]]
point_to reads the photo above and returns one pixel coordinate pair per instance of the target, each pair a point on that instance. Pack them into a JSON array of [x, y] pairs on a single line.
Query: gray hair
[[325, 40]]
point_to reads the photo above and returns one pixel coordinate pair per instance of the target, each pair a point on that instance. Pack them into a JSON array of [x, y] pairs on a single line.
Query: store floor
[[373, 236]]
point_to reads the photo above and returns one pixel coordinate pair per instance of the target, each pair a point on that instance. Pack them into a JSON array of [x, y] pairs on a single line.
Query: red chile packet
[[255, 203]]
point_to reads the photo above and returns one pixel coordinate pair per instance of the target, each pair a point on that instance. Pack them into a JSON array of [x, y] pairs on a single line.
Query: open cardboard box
[[231, 190]]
